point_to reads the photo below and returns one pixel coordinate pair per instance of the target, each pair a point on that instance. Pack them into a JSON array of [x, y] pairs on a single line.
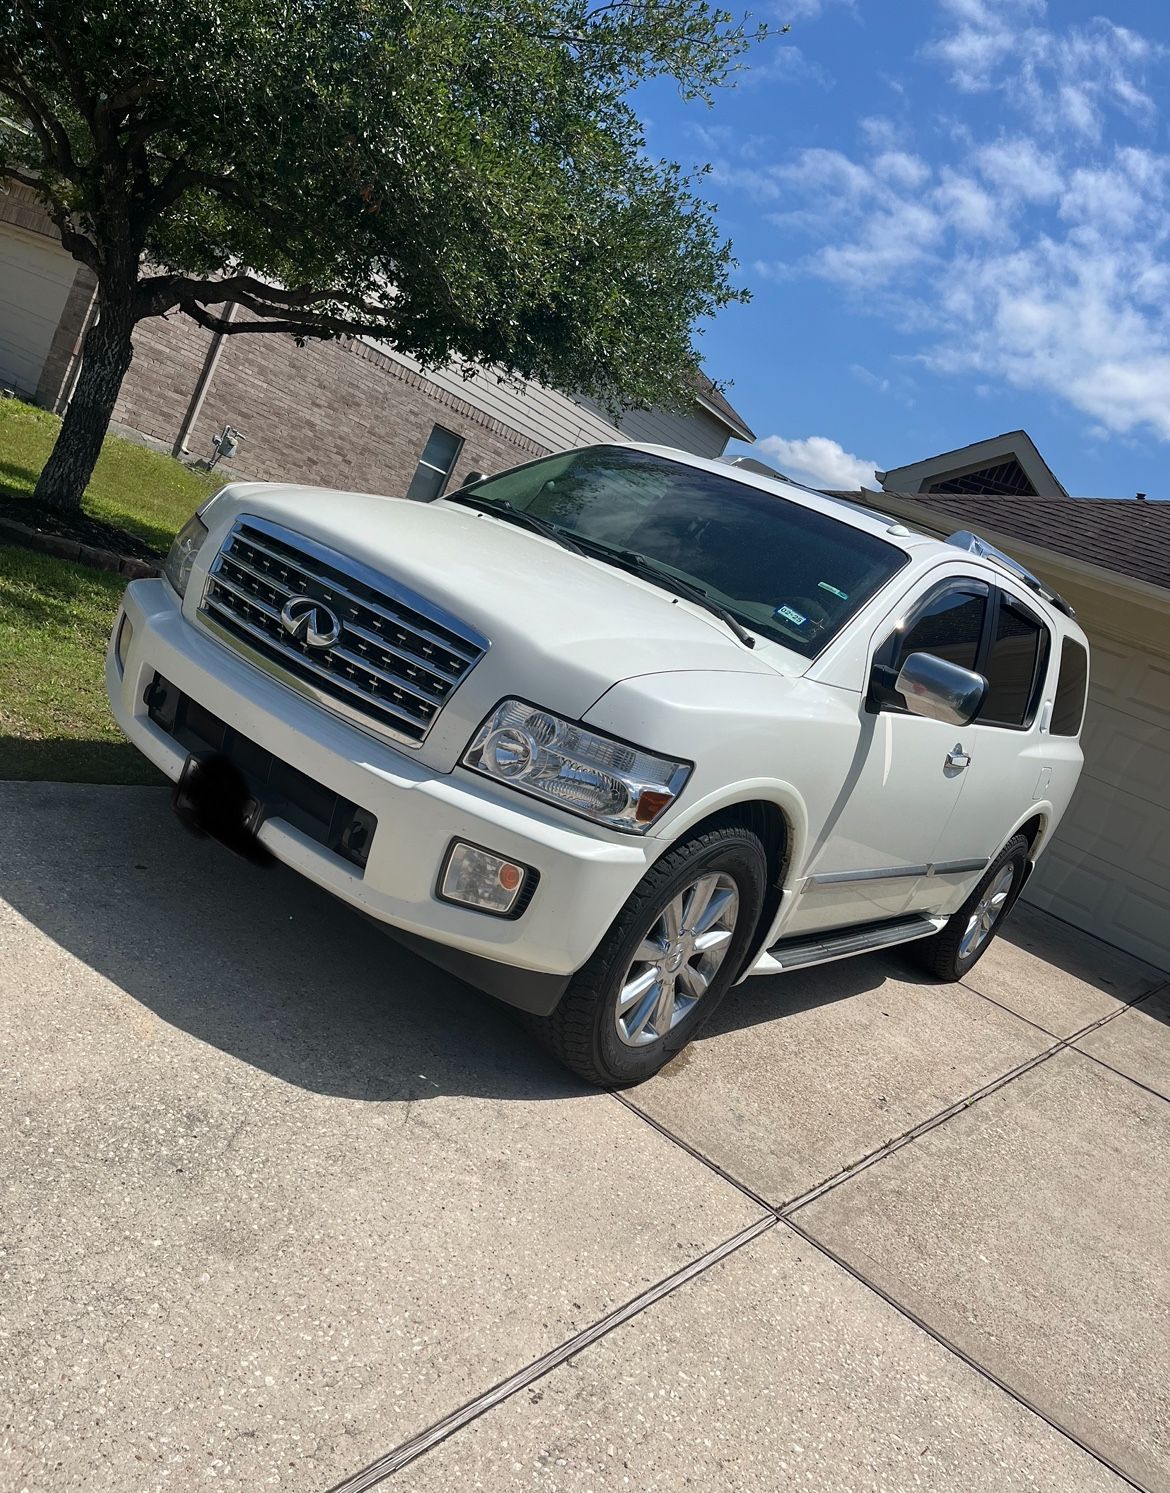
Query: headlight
[[577, 769], [181, 556]]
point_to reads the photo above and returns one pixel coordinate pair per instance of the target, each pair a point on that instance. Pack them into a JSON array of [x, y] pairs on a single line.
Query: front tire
[[964, 940], [668, 960]]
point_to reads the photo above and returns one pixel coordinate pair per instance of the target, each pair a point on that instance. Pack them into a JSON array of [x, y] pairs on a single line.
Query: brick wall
[[337, 413]]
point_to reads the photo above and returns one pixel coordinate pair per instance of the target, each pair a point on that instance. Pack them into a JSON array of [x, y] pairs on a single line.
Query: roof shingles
[[1127, 535]]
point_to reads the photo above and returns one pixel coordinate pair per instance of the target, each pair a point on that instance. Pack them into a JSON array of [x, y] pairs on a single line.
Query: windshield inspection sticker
[[789, 615], [824, 585]]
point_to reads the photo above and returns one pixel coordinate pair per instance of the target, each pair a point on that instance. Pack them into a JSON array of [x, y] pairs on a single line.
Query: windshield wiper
[[638, 564], [503, 509]]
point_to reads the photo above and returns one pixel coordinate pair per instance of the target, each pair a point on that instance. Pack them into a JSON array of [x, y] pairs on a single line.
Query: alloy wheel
[[677, 958], [987, 913]]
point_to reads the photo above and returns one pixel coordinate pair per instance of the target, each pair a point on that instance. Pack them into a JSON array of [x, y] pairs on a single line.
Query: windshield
[[788, 572]]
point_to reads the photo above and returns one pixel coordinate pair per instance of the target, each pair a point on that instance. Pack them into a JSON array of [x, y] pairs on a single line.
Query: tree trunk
[[105, 357]]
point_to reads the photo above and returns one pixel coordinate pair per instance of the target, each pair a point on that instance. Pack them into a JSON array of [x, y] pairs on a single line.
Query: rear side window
[[1069, 708], [1018, 653], [949, 626]]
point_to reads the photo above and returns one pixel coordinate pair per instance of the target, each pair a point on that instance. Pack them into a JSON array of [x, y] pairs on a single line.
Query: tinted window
[[949, 626], [1018, 649], [795, 573], [1070, 690]]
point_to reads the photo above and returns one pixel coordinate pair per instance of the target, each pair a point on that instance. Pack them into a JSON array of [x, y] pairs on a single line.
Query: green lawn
[[55, 722], [55, 616], [150, 495]]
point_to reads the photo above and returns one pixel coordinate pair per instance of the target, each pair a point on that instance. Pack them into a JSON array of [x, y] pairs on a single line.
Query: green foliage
[[465, 180], [141, 491]]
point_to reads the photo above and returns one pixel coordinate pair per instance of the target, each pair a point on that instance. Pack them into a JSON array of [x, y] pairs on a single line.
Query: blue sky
[[953, 216]]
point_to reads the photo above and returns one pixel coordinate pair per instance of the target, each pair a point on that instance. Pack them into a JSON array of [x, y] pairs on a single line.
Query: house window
[[435, 465]]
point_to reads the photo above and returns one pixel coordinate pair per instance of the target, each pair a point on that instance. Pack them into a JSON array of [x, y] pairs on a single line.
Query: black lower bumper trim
[[527, 989], [278, 789]]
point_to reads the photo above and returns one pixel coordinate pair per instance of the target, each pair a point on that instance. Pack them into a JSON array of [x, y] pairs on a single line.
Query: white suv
[[607, 732]]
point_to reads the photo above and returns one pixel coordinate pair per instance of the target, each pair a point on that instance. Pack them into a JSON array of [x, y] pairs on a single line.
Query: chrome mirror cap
[[940, 690]]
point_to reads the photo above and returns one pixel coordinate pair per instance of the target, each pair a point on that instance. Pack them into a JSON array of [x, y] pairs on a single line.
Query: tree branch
[[13, 174], [47, 127], [77, 81], [159, 293], [321, 328]]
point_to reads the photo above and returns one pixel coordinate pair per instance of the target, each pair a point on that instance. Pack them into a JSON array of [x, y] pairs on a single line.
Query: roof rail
[[965, 540]]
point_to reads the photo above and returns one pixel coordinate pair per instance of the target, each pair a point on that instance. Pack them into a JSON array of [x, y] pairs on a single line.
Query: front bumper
[[585, 875]]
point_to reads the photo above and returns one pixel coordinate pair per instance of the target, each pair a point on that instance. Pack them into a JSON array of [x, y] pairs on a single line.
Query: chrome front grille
[[397, 660]]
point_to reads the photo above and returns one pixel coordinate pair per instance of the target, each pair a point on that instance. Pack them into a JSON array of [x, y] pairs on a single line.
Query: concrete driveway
[[282, 1206]]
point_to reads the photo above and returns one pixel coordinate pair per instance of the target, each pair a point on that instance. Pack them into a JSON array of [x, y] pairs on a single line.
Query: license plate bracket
[[213, 799]]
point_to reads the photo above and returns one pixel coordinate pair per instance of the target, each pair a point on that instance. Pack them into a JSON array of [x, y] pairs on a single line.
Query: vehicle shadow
[[772, 997], [275, 972], [262, 965], [74, 759]]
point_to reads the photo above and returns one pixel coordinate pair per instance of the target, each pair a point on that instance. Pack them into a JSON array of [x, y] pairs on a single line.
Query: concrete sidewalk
[[280, 1203]]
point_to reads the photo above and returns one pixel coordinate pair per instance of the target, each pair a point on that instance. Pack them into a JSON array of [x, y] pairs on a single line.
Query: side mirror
[[940, 690]]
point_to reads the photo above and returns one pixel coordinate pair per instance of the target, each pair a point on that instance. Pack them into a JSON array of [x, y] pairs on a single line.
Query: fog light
[[124, 639], [475, 877]]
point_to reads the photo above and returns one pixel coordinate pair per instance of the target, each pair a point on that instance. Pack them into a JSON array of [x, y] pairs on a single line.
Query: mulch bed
[[79, 528]]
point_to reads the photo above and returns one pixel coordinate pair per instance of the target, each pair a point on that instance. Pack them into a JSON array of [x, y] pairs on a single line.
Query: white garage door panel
[[1130, 914], [1118, 828], [35, 277], [1108, 868]]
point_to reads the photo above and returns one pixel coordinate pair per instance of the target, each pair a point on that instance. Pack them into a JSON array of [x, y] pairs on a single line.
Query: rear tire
[[666, 963], [960, 945]]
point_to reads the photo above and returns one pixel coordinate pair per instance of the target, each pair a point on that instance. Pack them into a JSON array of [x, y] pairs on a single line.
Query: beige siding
[[697, 432], [551, 420]]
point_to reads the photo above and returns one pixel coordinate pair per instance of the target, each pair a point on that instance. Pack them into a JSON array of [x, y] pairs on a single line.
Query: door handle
[[957, 757]]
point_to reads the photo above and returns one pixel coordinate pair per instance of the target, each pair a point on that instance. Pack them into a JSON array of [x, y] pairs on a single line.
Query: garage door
[[35, 277], [1108, 870]]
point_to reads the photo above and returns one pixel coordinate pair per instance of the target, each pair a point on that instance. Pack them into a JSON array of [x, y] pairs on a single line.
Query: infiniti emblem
[[310, 622]]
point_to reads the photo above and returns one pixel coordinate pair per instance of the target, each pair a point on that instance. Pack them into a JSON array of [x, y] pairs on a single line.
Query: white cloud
[[809, 10], [898, 238], [966, 205], [1033, 253], [1020, 169], [817, 460], [1062, 79], [866, 376], [882, 132], [901, 168]]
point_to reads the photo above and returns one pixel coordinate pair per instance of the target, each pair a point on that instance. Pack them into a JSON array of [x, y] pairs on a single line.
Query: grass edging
[[72, 549]]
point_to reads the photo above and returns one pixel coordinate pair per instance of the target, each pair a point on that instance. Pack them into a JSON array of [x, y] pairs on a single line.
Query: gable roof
[[711, 399], [1127, 535], [996, 450]]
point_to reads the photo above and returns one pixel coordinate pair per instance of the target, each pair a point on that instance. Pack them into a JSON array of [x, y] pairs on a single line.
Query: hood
[[562, 628]]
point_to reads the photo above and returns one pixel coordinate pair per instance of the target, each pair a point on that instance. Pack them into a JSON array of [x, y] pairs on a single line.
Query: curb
[[73, 549]]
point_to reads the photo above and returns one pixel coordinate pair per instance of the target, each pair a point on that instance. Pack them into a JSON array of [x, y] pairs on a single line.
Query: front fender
[[784, 796]]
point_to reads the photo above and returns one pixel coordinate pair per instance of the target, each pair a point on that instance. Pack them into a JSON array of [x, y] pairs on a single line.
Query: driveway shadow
[[765, 998], [260, 964], [270, 969], [1077, 953]]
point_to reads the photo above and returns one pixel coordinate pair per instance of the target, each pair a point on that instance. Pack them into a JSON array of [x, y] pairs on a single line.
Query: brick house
[[353, 413]]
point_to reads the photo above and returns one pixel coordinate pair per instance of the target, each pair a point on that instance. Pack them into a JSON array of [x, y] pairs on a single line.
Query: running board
[[822, 948]]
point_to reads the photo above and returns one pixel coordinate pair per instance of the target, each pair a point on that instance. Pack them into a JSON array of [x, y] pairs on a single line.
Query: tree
[[460, 178]]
